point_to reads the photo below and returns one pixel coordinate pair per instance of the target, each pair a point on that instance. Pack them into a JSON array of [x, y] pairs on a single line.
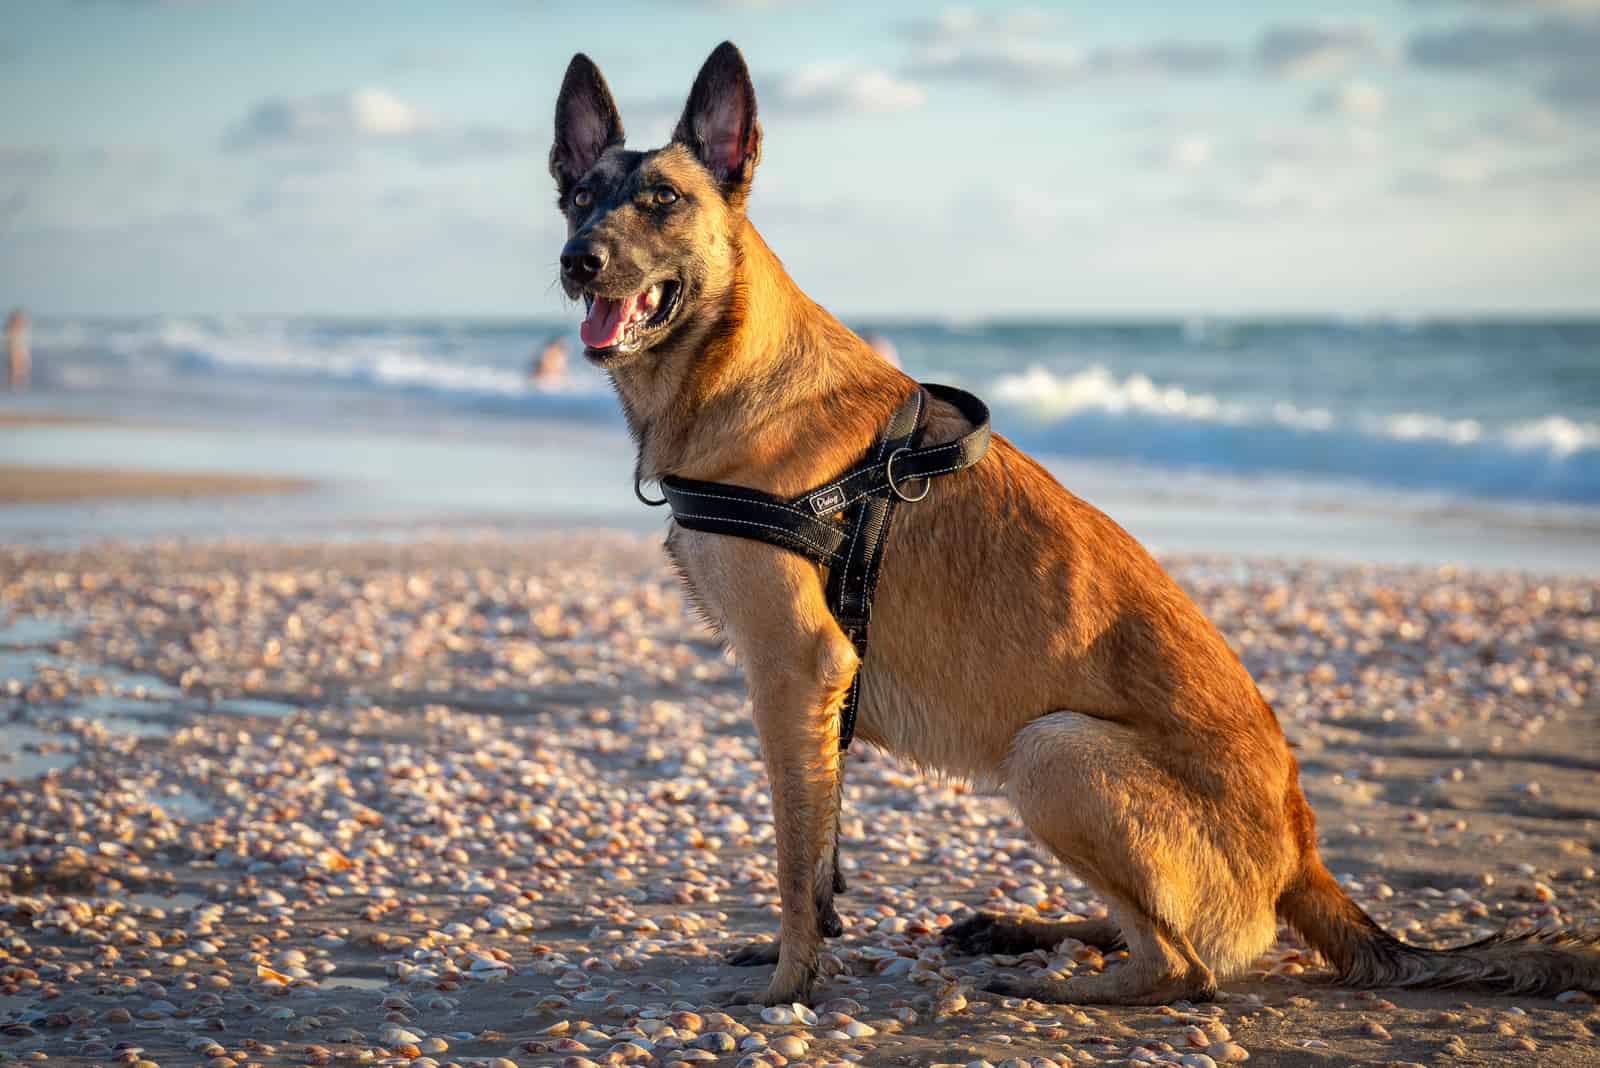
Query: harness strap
[[852, 584], [842, 525], [723, 508]]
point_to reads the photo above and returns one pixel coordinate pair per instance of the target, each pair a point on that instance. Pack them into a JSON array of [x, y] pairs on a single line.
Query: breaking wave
[[362, 371], [1094, 413]]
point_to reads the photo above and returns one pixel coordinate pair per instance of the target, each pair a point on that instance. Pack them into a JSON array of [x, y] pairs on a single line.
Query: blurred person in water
[[883, 347], [19, 361], [550, 365]]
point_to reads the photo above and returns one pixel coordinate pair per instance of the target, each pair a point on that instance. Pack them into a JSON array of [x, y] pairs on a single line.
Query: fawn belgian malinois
[[1020, 637]]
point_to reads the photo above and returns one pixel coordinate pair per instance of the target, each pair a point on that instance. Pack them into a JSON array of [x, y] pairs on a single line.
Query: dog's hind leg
[[1139, 836]]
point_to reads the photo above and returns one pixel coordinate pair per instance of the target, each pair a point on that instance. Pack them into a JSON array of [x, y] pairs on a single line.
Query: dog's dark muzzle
[[582, 260]]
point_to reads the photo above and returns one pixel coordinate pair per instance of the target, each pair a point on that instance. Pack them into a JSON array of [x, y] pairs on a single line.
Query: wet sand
[[483, 802], [39, 485], [43, 418]]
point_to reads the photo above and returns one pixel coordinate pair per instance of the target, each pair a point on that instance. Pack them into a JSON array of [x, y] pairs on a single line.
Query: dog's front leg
[[796, 699]]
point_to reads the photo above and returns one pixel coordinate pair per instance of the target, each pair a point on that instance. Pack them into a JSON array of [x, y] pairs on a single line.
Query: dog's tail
[[1540, 963]]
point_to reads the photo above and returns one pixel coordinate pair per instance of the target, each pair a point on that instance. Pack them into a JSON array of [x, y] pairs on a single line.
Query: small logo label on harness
[[827, 501]]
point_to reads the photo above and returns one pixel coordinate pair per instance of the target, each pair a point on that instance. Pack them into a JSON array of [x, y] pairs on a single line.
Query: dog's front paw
[[785, 995], [741, 996], [752, 954]]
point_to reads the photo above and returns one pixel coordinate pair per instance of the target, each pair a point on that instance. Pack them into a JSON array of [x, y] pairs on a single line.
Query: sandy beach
[[35, 485], [495, 801]]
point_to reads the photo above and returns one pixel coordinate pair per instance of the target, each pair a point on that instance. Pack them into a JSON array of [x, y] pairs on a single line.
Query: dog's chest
[[696, 569]]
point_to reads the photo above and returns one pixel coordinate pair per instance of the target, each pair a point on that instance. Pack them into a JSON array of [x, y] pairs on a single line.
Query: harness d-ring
[[888, 473], [639, 493]]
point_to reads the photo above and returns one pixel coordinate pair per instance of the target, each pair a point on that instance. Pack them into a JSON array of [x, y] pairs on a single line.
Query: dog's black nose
[[583, 260]]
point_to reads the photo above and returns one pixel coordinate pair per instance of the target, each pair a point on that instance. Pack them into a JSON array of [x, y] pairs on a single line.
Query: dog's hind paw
[[753, 954], [1050, 990], [981, 934], [1113, 987]]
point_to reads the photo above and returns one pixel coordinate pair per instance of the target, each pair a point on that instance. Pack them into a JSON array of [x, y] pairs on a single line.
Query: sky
[[387, 158]]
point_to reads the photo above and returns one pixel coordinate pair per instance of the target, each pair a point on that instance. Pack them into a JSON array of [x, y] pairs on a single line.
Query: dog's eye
[[665, 194], [583, 198]]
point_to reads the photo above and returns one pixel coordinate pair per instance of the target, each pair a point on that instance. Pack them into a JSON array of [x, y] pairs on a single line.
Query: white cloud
[[1525, 126], [1314, 49], [746, 5], [1577, 88], [841, 89], [954, 25], [26, 161], [1321, 147], [1162, 58], [1559, 55], [1549, 41], [1183, 153], [364, 114], [1445, 173], [1355, 100], [365, 118], [1014, 63], [127, 161], [1516, 5], [157, 3], [1477, 169], [1504, 131], [1275, 191], [1025, 47], [1035, 64]]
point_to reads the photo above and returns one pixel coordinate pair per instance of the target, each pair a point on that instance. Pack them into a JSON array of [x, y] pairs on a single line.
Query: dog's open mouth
[[625, 324]]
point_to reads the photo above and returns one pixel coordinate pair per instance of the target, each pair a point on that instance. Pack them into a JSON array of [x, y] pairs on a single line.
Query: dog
[[1020, 637]]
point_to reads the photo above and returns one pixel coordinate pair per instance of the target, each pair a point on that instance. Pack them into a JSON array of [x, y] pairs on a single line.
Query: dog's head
[[650, 235]]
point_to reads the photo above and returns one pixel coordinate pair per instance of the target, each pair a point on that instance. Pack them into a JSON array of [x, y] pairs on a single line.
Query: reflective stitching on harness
[[743, 500], [941, 471], [753, 523], [844, 577]]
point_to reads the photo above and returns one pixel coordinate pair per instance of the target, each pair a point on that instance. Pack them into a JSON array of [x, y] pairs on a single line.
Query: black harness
[[844, 524]]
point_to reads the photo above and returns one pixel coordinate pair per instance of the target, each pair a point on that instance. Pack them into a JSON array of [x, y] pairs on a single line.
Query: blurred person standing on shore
[[19, 361]]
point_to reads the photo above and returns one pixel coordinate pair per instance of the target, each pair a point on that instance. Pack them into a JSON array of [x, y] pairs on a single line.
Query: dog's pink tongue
[[607, 318]]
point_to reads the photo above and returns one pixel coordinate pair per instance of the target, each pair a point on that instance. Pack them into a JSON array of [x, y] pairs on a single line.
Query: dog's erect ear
[[587, 123], [719, 122]]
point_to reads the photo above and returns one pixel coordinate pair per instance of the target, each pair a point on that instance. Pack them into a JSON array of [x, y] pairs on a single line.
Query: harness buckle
[[888, 473]]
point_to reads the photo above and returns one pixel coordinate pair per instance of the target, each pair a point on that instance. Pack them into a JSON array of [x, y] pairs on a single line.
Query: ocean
[[1492, 426]]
